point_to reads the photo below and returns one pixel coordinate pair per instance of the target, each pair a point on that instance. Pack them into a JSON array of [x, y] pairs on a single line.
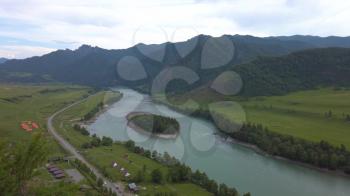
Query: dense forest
[[297, 71]]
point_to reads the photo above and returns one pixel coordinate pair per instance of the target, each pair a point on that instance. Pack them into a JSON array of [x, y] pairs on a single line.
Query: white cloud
[[20, 51], [113, 23]]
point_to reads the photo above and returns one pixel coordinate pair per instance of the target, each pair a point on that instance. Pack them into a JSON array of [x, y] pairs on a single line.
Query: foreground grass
[[103, 157]]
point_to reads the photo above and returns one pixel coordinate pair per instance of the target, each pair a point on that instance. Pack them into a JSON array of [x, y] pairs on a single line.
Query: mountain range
[[2, 60], [261, 62]]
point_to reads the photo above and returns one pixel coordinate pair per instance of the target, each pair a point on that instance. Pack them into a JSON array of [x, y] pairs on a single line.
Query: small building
[[59, 176], [115, 164], [57, 172], [53, 169], [127, 174]]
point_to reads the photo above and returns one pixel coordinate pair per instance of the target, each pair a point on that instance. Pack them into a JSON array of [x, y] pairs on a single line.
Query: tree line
[[81, 129], [320, 154], [93, 112], [93, 179], [97, 141]]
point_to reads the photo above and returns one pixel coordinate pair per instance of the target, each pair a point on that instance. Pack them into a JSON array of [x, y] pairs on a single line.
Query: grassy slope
[[300, 114], [103, 157], [36, 108], [30, 104]]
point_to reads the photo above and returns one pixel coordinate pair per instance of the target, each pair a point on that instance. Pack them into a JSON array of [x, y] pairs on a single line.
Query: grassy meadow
[[36, 103], [300, 114]]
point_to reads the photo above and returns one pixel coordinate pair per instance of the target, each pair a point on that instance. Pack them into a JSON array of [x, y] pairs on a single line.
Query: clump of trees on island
[[178, 173], [156, 123]]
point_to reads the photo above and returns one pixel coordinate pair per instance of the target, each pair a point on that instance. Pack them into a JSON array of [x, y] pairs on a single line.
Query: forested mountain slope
[[297, 71]]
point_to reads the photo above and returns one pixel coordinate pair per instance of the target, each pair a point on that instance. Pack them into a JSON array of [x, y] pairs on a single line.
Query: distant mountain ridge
[[330, 41], [3, 60], [96, 66]]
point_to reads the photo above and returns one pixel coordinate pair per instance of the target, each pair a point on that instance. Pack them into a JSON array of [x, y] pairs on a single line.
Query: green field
[[300, 114], [37, 103], [103, 157]]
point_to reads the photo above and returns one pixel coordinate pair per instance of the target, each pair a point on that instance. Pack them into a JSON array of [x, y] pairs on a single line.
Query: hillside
[[3, 60], [98, 67], [298, 71]]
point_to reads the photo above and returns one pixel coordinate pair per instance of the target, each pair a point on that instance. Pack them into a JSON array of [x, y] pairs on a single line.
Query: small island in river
[[155, 125]]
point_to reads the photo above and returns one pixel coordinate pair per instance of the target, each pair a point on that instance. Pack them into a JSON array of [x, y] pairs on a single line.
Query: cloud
[[22, 51], [119, 23]]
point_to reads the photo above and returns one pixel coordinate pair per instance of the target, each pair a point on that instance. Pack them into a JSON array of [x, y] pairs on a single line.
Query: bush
[[157, 176]]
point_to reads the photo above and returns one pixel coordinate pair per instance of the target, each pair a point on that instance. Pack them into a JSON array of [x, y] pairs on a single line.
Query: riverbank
[[108, 103], [142, 131], [229, 139], [263, 153]]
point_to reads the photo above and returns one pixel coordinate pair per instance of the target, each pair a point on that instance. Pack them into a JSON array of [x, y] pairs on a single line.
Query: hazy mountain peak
[[84, 47], [3, 60]]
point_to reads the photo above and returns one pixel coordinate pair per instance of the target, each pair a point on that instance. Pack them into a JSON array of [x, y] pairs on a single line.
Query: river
[[228, 162]]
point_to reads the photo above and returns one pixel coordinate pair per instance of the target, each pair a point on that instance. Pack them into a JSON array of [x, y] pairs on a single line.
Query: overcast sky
[[35, 27]]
